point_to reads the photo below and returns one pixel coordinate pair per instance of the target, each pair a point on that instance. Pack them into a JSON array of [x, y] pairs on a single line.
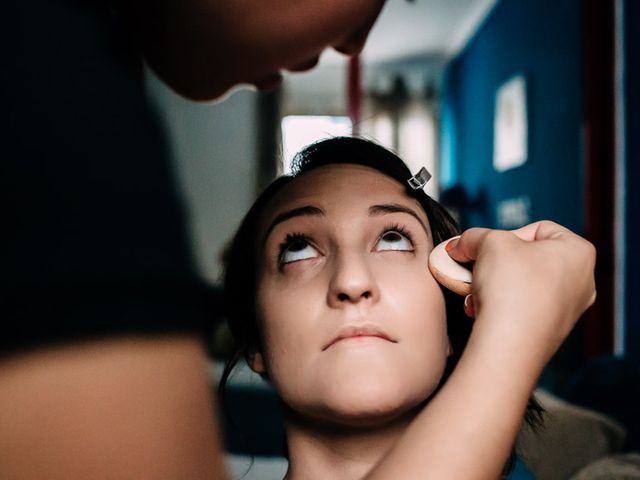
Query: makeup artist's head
[[328, 290], [252, 42]]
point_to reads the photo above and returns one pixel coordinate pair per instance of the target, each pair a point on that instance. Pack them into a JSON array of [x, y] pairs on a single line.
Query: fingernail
[[467, 301], [451, 244], [468, 306]]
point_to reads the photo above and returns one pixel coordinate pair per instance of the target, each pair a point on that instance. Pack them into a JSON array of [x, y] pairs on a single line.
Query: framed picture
[[510, 125]]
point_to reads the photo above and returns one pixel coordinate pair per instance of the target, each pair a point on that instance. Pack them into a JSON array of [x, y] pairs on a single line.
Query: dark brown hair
[[240, 280]]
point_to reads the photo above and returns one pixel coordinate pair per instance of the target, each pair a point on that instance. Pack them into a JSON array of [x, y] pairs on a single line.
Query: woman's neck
[[319, 451]]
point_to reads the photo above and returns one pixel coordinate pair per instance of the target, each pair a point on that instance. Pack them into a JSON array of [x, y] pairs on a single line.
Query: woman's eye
[[393, 240], [296, 249]]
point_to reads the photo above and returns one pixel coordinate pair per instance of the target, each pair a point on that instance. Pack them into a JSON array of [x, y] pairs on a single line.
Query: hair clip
[[420, 179]]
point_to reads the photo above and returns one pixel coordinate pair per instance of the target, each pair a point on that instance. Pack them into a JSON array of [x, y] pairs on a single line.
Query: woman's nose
[[352, 282]]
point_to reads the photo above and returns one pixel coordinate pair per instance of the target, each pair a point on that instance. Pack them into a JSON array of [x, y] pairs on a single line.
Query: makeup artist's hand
[[529, 285], [529, 288]]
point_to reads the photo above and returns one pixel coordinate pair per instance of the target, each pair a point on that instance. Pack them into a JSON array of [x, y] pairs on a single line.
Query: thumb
[[542, 230], [465, 248]]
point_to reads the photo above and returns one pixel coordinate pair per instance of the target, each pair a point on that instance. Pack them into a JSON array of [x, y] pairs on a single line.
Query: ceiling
[[421, 28], [411, 39]]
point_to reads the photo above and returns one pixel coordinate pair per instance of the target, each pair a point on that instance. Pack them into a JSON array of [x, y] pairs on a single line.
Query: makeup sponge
[[449, 273]]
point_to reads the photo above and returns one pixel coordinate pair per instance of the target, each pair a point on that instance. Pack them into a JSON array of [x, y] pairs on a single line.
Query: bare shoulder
[[127, 407]]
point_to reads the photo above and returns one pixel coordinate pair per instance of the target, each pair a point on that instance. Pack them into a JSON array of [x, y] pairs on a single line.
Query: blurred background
[[522, 111]]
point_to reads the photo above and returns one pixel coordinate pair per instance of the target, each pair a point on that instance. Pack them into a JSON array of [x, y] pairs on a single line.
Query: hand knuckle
[[497, 235], [547, 223]]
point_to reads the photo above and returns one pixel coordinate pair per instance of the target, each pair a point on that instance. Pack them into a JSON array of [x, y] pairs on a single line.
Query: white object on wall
[[510, 125], [514, 212]]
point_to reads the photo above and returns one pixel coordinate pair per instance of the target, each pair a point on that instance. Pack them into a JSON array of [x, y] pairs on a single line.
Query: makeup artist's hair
[[241, 272]]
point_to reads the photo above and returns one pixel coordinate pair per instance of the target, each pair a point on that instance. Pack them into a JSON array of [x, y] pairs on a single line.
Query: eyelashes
[[396, 237], [297, 247]]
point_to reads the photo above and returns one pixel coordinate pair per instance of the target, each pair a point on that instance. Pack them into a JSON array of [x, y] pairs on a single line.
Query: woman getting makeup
[[382, 373]]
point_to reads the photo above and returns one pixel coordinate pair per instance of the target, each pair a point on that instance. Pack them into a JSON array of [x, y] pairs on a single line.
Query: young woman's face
[[352, 323]]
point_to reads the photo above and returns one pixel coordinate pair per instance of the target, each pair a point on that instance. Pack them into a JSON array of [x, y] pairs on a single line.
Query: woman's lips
[[359, 331]]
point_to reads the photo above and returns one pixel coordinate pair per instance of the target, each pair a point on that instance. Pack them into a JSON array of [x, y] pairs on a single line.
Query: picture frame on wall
[[510, 143]]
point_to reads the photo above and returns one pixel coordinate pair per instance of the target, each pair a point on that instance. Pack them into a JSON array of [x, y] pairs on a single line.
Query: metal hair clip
[[420, 179]]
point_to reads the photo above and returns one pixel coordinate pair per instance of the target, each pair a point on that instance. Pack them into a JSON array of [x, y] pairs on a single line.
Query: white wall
[[215, 150], [321, 91]]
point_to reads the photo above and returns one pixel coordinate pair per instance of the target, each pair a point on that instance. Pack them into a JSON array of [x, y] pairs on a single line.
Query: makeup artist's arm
[[529, 289], [109, 409]]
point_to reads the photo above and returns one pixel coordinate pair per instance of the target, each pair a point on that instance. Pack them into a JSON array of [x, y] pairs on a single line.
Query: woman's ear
[[255, 360]]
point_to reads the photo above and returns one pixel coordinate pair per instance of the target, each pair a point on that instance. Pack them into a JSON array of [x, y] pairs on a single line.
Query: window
[[299, 131]]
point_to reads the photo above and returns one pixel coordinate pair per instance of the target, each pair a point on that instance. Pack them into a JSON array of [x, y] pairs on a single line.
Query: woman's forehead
[[340, 187]]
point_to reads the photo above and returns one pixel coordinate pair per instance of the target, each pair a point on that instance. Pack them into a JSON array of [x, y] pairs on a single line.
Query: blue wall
[[541, 40]]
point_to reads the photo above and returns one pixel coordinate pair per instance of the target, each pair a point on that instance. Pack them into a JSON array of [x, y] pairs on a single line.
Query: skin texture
[[349, 415], [353, 275], [549, 274], [203, 48], [109, 409]]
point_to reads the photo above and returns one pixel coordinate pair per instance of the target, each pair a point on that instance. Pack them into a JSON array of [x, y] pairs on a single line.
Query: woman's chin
[[372, 415], [361, 398], [378, 395], [364, 409]]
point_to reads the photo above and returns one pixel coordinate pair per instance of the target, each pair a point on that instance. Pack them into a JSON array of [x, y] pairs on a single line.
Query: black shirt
[[93, 240]]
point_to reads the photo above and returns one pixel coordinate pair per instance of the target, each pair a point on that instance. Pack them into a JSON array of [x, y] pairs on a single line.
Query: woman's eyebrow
[[294, 212], [386, 208]]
